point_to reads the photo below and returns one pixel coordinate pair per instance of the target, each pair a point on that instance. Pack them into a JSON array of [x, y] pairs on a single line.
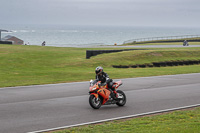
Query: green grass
[[187, 121], [191, 41], [164, 43], [31, 65], [148, 56]]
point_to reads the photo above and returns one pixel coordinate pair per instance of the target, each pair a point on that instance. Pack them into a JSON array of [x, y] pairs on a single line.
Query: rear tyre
[[121, 98], [94, 102]]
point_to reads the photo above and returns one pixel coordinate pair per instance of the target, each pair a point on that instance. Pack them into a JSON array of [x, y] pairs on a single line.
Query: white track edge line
[[117, 118]]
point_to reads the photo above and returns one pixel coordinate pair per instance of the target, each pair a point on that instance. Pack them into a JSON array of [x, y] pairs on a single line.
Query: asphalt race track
[[35, 108]]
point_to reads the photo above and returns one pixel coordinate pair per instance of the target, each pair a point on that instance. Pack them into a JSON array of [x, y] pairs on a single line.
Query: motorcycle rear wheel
[[121, 101], [95, 102]]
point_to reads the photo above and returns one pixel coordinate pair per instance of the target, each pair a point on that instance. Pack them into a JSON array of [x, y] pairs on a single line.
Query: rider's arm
[[107, 78], [106, 75]]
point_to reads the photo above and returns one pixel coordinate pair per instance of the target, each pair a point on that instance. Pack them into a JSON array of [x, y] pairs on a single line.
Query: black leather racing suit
[[104, 78]]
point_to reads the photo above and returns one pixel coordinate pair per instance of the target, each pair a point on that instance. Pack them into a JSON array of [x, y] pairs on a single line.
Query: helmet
[[99, 70]]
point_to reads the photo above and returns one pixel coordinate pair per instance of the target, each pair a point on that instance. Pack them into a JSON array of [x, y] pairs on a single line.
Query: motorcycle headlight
[[91, 89], [94, 88]]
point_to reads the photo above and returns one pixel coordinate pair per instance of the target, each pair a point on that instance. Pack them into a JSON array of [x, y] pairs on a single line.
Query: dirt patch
[[155, 54]]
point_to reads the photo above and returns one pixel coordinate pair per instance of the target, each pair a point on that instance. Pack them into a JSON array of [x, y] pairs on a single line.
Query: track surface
[[33, 108]]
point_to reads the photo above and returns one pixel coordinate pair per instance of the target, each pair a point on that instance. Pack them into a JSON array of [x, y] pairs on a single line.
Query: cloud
[[102, 12]]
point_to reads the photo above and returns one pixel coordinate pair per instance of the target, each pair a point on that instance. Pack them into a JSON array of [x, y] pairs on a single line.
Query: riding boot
[[113, 95]]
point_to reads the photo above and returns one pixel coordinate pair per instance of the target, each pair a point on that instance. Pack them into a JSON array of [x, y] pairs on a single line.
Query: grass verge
[[191, 41], [31, 65], [163, 43], [187, 121]]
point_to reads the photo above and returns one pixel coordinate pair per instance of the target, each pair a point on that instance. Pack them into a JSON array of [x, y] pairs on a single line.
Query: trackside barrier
[[90, 53], [166, 39], [160, 64]]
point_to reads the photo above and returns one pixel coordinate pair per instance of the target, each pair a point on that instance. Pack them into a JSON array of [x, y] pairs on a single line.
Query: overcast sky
[[102, 12]]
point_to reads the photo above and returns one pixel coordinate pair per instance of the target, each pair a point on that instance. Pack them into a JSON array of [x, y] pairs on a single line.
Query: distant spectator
[[185, 43], [44, 43], [26, 43]]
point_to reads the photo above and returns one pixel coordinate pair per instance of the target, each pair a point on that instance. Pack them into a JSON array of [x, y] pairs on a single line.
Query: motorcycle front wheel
[[94, 102]]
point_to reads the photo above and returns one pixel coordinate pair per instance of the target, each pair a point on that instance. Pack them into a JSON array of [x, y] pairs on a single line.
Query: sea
[[89, 36]]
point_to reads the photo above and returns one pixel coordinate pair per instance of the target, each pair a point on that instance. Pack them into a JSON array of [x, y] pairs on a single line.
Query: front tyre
[[121, 98], [94, 102]]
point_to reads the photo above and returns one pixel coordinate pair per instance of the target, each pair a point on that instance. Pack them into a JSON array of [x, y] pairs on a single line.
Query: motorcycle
[[101, 95]]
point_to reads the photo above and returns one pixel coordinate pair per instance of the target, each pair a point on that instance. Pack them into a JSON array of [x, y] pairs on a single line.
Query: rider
[[104, 78]]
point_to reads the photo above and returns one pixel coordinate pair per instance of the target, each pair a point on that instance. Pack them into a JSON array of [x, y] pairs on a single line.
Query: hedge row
[[5, 42], [160, 64]]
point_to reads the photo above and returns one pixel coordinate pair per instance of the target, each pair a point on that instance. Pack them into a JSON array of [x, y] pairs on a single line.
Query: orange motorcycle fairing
[[95, 94], [105, 93]]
